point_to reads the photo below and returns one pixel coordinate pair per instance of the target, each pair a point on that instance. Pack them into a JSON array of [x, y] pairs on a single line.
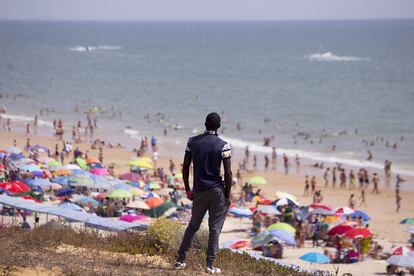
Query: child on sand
[[362, 198]]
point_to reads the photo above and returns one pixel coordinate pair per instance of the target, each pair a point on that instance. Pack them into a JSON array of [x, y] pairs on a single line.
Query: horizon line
[[206, 20]]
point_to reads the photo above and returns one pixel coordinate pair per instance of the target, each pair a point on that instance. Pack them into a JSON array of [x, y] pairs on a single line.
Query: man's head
[[212, 121]]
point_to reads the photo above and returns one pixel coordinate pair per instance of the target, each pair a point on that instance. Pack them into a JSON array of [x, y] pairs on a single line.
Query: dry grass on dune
[[49, 250]]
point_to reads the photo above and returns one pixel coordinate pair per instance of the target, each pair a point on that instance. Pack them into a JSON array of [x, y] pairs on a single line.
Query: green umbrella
[[54, 163], [120, 193], [282, 226], [167, 208], [154, 186], [407, 221], [82, 163], [257, 180], [81, 181]]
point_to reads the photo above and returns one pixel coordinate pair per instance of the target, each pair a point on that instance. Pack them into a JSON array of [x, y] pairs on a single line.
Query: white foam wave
[[95, 48], [328, 56], [27, 119], [132, 133], [314, 156]]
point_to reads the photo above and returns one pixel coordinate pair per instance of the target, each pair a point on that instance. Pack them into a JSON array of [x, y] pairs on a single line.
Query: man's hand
[[189, 195]]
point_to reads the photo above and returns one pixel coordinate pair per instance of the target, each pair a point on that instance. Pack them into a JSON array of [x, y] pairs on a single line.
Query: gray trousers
[[214, 202]]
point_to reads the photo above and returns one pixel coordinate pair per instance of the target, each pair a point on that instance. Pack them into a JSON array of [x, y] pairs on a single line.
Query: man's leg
[[217, 215], [200, 206]]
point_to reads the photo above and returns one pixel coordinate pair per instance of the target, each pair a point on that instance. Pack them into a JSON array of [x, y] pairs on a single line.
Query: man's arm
[[186, 170], [228, 177]]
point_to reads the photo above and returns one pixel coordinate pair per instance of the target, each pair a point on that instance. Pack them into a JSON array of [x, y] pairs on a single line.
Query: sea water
[[339, 82]]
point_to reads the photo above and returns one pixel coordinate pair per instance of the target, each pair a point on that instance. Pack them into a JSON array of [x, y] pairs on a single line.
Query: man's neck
[[212, 132]]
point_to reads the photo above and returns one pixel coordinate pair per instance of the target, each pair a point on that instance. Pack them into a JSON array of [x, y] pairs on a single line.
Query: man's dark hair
[[213, 121]]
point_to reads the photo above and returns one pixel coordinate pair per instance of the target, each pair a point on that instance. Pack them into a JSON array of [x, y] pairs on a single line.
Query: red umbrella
[[265, 202], [400, 250], [15, 187], [320, 206], [358, 233], [339, 230], [133, 177]]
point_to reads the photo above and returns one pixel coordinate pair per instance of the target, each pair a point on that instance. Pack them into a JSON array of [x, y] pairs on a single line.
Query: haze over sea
[[305, 76]]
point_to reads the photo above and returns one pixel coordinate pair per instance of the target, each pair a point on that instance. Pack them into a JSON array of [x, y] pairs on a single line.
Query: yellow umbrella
[[141, 163], [137, 192]]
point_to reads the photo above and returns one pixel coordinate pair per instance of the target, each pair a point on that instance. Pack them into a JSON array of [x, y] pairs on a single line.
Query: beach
[[381, 207]]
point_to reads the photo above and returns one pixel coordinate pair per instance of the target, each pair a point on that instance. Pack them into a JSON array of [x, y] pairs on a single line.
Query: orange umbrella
[[62, 172], [154, 202], [92, 160]]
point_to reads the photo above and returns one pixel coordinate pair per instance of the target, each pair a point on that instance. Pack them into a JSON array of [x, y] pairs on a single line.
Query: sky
[[200, 10]]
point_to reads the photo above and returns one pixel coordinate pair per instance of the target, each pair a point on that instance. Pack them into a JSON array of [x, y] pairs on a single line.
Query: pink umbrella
[[132, 217], [100, 171]]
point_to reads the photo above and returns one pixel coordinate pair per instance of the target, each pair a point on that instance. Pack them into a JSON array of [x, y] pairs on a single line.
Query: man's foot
[[213, 270], [179, 266]]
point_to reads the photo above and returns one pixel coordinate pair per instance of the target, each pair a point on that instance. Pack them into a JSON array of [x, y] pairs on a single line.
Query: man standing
[[207, 151]]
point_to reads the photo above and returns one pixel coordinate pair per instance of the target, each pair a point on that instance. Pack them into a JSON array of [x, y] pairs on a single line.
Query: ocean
[[309, 84]]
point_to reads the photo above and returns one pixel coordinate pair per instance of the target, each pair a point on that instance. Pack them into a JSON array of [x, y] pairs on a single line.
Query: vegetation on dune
[[41, 247]]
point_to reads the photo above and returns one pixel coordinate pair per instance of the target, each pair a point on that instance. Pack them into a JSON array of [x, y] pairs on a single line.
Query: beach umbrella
[[54, 163], [286, 201], [137, 192], [138, 204], [154, 186], [41, 182], [70, 206], [63, 180], [56, 186], [339, 230], [401, 260], [342, 211], [349, 223], [164, 209], [358, 233], [154, 202], [165, 191], [362, 214], [400, 250], [14, 150], [409, 229], [407, 221], [119, 194], [84, 200], [257, 180], [100, 171], [31, 168], [82, 163], [65, 192], [268, 209], [315, 257], [331, 219], [92, 160], [39, 148], [61, 172], [320, 212], [138, 184], [151, 195], [122, 186], [133, 177], [280, 194], [15, 187], [284, 236], [282, 226], [241, 212], [81, 181], [26, 161], [141, 163], [44, 159], [261, 239], [72, 167], [320, 206]]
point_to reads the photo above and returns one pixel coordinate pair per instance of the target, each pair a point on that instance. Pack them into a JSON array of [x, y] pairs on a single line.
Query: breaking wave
[[95, 48], [328, 56]]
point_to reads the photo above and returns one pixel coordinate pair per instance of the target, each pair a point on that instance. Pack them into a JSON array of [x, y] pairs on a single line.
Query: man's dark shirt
[[207, 152]]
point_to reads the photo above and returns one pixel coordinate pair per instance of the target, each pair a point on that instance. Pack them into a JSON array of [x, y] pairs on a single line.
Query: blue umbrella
[[65, 192], [87, 200], [268, 209], [122, 186], [359, 213], [242, 212], [70, 206], [41, 182], [16, 156], [95, 165], [31, 168], [283, 235], [315, 257], [63, 180]]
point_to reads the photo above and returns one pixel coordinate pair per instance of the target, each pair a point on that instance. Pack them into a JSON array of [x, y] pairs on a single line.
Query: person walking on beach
[[297, 161], [361, 179], [207, 152], [326, 177], [313, 185], [266, 159], [351, 179], [351, 202], [286, 163], [306, 192], [398, 199], [255, 162], [274, 157], [375, 181], [334, 177]]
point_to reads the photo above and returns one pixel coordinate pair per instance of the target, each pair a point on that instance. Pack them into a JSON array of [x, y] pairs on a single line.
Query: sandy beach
[[385, 221]]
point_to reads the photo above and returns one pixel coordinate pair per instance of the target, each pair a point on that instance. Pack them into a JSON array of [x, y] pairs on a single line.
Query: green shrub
[[164, 235]]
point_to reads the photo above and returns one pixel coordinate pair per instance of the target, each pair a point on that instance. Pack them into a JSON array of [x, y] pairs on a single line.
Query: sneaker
[[179, 266], [213, 270]]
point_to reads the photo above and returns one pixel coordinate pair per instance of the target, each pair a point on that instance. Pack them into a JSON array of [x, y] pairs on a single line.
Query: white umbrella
[[268, 209], [401, 260], [71, 167], [138, 204], [285, 201], [409, 229]]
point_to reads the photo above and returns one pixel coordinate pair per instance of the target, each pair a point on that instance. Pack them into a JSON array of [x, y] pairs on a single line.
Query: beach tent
[[315, 257]]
